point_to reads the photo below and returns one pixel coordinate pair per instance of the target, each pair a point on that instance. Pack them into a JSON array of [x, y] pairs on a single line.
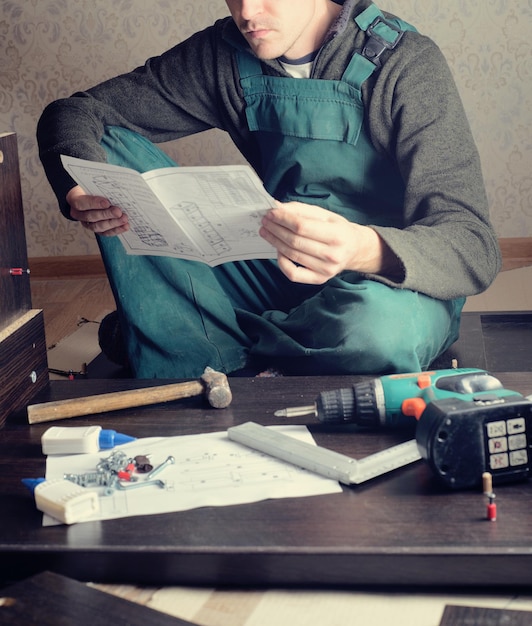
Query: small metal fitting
[[169, 461], [139, 484]]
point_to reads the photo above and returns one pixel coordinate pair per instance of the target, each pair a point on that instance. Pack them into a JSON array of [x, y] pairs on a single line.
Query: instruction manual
[[207, 470], [210, 214]]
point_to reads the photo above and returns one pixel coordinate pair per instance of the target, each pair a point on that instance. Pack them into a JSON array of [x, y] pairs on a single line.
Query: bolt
[[169, 461]]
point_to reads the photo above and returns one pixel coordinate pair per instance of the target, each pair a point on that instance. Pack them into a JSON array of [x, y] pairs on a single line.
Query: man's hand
[[315, 244], [96, 213]]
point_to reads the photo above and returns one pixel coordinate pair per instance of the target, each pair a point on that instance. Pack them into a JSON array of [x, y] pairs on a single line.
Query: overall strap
[[381, 35], [248, 65]]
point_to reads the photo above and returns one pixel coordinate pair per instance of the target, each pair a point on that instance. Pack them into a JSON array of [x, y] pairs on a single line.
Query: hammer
[[213, 384]]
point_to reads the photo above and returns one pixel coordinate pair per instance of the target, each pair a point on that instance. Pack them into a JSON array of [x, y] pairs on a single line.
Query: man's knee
[[387, 330]]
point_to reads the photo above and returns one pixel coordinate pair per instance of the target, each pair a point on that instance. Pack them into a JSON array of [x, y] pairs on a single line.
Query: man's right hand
[[96, 213]]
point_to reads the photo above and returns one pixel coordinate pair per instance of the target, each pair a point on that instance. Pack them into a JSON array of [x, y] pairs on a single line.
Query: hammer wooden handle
[[63, 409]]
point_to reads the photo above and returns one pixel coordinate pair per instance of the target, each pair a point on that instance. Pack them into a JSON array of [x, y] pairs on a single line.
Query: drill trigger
[[413, 407]]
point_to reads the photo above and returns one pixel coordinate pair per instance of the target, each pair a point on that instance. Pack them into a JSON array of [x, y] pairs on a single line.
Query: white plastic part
[[71, 440], [65, 501]]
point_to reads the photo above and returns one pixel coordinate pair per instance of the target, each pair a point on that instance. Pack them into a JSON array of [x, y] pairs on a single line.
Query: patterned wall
[[51, 48]]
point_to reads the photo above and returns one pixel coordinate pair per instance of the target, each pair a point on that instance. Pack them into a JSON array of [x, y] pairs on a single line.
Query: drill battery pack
[[461, 439]]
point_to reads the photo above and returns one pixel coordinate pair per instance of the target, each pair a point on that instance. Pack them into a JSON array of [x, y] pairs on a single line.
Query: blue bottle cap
[[110, 438], [31, 483]]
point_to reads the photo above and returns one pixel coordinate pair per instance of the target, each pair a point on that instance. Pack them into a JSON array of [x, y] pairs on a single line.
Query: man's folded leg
[[175, 317], [354, 326]]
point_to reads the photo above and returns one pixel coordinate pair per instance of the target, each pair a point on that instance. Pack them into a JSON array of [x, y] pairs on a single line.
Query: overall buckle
[[376, 44]]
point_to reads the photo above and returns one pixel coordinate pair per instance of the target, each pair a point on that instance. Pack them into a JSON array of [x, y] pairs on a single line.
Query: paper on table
[[209, 470], [210, 214]]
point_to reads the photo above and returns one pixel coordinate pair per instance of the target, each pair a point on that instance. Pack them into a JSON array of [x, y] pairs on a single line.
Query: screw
[[169, 461]]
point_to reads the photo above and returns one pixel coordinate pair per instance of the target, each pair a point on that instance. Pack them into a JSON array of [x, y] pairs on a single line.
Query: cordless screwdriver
[[395, 399], [466, 422]]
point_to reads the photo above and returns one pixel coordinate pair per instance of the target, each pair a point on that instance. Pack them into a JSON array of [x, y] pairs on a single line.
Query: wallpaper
[[51, 48]]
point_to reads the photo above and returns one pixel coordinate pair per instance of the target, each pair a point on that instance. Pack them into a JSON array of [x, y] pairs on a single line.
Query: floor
[[68, 303], [511, 291]]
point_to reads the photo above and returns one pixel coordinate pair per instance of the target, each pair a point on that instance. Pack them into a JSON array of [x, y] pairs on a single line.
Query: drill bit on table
[[297, 411]]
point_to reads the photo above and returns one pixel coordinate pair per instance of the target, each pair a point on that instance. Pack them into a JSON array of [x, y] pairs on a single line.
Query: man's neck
[[327, 14]]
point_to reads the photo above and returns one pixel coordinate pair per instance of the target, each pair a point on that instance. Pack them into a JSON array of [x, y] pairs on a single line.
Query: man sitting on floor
[[353, 122]]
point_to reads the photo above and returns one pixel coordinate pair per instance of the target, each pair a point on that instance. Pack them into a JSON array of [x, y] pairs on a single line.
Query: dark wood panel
[[23, 362], [48, 599], [401, 529], [482, 616], [500, 341], [23, 366], [15, 296]]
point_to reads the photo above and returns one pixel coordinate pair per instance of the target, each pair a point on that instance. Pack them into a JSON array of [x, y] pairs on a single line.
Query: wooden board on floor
[[49, 599], [482, 616]]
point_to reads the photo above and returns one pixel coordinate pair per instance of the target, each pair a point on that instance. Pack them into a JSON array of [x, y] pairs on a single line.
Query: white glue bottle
[[80, 439], [63, 500]]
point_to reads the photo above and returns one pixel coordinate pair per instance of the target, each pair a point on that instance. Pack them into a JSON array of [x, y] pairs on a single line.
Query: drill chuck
[[360, 404]]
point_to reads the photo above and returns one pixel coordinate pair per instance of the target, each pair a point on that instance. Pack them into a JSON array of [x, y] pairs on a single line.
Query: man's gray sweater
[[414, 116]]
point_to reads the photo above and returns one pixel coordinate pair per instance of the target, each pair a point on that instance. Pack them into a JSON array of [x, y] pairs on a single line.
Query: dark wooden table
[[401, 529]]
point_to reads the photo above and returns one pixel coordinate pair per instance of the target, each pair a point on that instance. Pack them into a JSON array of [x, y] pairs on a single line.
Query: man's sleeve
[[152, 100], [448, 247]]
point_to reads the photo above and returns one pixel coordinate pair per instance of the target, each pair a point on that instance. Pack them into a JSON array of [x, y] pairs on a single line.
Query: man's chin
[[264, 50]]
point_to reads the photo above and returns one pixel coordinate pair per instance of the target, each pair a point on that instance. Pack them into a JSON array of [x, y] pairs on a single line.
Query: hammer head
[[217, 388]]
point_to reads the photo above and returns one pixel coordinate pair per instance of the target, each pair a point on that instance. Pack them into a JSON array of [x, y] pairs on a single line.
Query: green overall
[[180, 316]]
